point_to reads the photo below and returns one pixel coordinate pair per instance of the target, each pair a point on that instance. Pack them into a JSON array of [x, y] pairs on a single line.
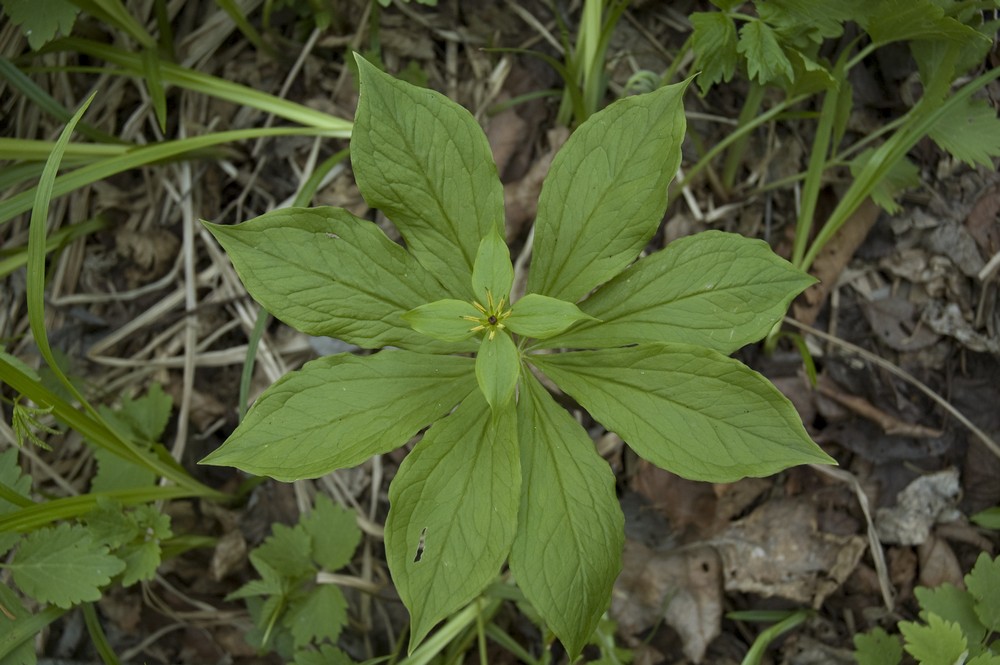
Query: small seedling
[[503, 473]]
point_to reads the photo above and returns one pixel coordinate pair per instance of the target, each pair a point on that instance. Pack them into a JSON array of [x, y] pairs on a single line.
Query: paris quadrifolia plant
[[502, 472]]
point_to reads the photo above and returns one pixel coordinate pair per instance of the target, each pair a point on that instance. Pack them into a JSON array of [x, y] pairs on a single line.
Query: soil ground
[[902, 293]]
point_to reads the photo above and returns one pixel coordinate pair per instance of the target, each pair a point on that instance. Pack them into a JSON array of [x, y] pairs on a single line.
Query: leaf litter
[[712, 547]]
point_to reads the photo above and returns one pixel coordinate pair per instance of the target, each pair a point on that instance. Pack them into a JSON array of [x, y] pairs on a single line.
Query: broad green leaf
[[271, 582], [713, 289], [940, 642], [424, 161], [984, 585], [766, 62], [970, 133], [606, 192], [541, 317], [493, 274], [141, 561], [62, 565], [952, 604], [444, 320], [41, 20], [498, 365], [325, 272], [319, 418], [11, 477], [288, 551], [334, 532], [115, 473], [141, 420], [687, 409], [320, 614], [567, 552], [109, 524], [908, 20], [877, 647], [809, 76], [453, 512], [713, 40]]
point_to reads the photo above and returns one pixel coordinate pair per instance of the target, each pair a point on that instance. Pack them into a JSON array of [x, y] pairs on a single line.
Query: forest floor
[[904, 312]]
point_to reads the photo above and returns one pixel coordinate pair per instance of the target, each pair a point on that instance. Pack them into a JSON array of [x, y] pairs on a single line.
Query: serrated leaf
[[952, 604], [902, 175], [7, 540], [115, 473], [320, 614], [983, 582], [325, 272], [766, 62], [319, 418], [809, 76], [453, 512], [606, 192], [334, 532], [10, 475], [444, 320], [287, 550], [41, 20], [800, 20], [970, 133], [908, 20], [714, 289], [271, 582], [713, 40], [570, 531], [687, 409], [541, 317], [877, 647], [984, 659], [498, 365], [492, 274], [940, 642], [109, 524], [141, 561], [62, 565], [327, 655], [424, 161]]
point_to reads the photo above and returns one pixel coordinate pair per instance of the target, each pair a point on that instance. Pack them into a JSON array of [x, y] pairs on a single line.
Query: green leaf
[[567, 552], [498, 365], [908, 20], [541, 317], [984, 659], [444, 319], [606, 192], [689, 410], [493, 274], [988, 519], [10, 476], [141, 561], [940, 642], [115, 473], [713, 289], [19, 626], [971, 133], [334, 532], [327, 655], [877, 647], [62, 565], [271, 582], [814, 22], [984, 585], [952, 604], [108, 524], [766, 62], [425, 162], [902, 175], [453, 512], [146, 417], [288, 551], [320, 614], [40, 20], [713, 40], [319, 418], [325, 272]]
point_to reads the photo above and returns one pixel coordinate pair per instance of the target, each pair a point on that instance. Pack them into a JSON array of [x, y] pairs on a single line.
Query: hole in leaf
[[420, 546]]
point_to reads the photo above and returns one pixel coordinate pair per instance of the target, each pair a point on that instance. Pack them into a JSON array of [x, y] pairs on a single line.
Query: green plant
[[503, 471], [294, 615], [956, 626]]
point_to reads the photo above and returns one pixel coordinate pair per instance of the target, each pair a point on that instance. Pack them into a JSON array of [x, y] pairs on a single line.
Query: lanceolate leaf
[[606, 193], [540, 317], [453, 510], [718, 290], [444, 319], [62, 565], [493, 273], [567, 552], [325, 272], [687, 409], [424, 161], [497, 367], [346, 409]]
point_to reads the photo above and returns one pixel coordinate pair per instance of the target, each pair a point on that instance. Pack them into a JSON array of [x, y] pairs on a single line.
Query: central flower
[[492, 315]]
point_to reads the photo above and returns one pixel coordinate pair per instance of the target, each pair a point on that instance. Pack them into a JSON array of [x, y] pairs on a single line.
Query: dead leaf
[[520, 198], [938, 564], [230, 553], [687, 583], [924, 502], [779, 551], [982, 221], [689, 506], [897, 323]]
